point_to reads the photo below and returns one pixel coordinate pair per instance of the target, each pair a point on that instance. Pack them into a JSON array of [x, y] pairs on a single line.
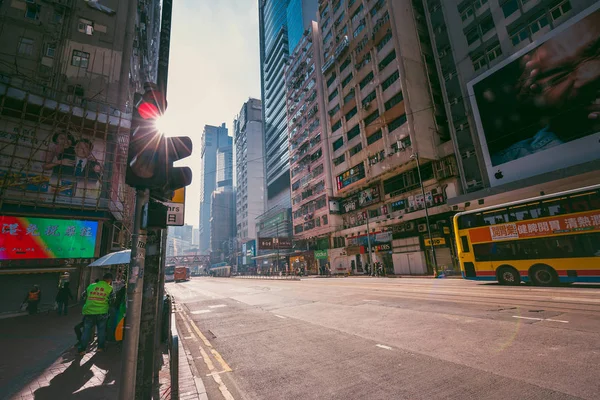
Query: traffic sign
[[176, 208]]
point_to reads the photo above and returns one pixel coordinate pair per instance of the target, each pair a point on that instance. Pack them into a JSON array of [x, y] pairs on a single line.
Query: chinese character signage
[[588, 221], [274, 243], [350, 176], [44, 238]]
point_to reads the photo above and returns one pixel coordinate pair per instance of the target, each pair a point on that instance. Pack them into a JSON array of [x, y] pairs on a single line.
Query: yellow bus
[[543, 240]]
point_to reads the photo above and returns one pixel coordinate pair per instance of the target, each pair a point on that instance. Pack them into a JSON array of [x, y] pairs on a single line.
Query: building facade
[[310, 165], [513, 143], [222, 234], [391, 151], [67, 76], [213, 139], [250, 174]]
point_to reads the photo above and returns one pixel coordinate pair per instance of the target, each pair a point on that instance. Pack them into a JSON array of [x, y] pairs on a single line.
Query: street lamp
[[415, 156]]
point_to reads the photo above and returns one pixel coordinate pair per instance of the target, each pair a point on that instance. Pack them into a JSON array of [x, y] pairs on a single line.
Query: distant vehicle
[[544, 240], [220, 269], [169, 273], [182, 274]]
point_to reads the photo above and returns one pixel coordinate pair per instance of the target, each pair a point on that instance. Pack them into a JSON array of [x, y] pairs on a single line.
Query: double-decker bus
[[543, 240]]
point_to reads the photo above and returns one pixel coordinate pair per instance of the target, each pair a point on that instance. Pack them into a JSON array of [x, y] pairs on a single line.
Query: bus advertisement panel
[[537, 111], [169, 273], [544, 240]]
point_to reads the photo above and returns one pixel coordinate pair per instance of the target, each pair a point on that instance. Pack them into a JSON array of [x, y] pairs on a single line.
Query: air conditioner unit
[[422, 228], [400, 145]]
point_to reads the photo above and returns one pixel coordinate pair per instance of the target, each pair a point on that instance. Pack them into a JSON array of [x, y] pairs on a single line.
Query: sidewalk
[[39, 361]]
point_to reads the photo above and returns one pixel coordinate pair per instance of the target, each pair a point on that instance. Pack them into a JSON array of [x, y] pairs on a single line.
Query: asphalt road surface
[[378, 338]]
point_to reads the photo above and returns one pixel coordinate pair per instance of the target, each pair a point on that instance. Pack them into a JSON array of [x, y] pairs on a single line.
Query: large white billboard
[[539, 110]]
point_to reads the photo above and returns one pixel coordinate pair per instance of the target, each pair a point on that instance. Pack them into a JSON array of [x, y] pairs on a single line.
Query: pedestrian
[[62, 298], [95, 312], [33, 298]]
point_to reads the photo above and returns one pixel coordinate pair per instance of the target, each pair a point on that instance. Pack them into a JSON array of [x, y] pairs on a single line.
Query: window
[[50, 49], [337, 161], [560, 10], [333, 95], [347, 80], [378, 6], [355, 149], [357, 14], [466, 14], [85, 26], [57, 17], [371, 117], [336, 126], [32, 11], [334, 110], [374, 137], [358, 30], [393, 101], [387, 60], [351, 113], [331, 79], [384, 40], [80, 59], [25, 46], [327, 38], [369, 98], [349, 96], [472, 35], [345, 64], [510, 7], [397, 123], [390, 80], [325, 220], [354, 132], [338, 143], [465, 244], [366, 80]]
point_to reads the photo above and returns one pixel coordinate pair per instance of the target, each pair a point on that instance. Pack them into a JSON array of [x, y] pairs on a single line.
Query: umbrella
[[119, 257]]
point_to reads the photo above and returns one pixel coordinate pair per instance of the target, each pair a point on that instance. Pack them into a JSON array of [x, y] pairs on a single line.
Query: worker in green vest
[[95, 311]]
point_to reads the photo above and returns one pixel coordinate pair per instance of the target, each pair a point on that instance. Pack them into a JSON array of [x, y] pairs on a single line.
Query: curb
[[190, 385]]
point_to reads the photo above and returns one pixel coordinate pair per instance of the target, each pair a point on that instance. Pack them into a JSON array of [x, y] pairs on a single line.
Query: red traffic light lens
[[148, 111]]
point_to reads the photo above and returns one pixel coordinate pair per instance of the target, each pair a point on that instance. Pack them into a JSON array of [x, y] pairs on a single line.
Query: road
[[378, 338]]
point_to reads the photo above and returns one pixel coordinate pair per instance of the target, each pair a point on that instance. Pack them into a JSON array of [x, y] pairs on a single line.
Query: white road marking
[[375, 301], [577, 299], [201, 311], [280, 316], [218, 306], [382, 346], [541, 319]]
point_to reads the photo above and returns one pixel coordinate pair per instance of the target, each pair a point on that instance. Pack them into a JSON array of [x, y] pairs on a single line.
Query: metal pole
[[146, 345], [277, 267], [369, 246], [134, 296], [433, 256], [161, 294], [162, 74]]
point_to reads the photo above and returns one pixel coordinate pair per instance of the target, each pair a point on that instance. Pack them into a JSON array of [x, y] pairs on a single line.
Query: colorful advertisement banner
[[44, 238], [573, 223], [321, 254]]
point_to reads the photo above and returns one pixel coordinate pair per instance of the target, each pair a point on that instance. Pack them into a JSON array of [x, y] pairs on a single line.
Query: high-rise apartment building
[[250, 175], [312, 184], [390, 148], [511, 142], [222, 226], [225, 167], [68, 72], [300, 15], [214, 140]]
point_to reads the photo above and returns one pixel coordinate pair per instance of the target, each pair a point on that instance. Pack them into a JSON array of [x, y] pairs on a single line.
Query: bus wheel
[[543, 275], [508, 275]]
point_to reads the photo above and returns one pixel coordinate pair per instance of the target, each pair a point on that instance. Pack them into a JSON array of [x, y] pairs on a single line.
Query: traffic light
[[151, 155]]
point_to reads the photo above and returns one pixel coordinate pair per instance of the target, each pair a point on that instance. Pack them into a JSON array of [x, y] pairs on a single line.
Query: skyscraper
[[214, 140], [274, 52]]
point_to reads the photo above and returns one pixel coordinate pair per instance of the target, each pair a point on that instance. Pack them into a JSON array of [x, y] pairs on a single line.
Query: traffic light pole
[[146, 346], [161, 294], [134, 296]]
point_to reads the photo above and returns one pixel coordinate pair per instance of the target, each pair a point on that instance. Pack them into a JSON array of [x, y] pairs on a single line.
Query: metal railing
[[283, 276], [173, 346]]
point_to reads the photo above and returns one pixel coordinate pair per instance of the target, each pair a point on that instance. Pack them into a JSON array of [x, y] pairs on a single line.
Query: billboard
[[274, 243], [538, 110], [350, 176], [48, 165], [44, 238]]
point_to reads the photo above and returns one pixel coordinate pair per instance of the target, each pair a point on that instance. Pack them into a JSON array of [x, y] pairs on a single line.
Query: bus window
[[465, 244]]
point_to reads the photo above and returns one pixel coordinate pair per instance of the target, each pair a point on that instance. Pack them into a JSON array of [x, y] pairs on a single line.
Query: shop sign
[[383, 237], [274, 243], [436, 242], [321, 254], [44, 238], [368, 196], [383, 247], [351, 176], [352, 250]]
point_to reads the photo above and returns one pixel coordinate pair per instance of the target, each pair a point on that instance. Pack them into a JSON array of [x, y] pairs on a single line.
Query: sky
[[213, 69]]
